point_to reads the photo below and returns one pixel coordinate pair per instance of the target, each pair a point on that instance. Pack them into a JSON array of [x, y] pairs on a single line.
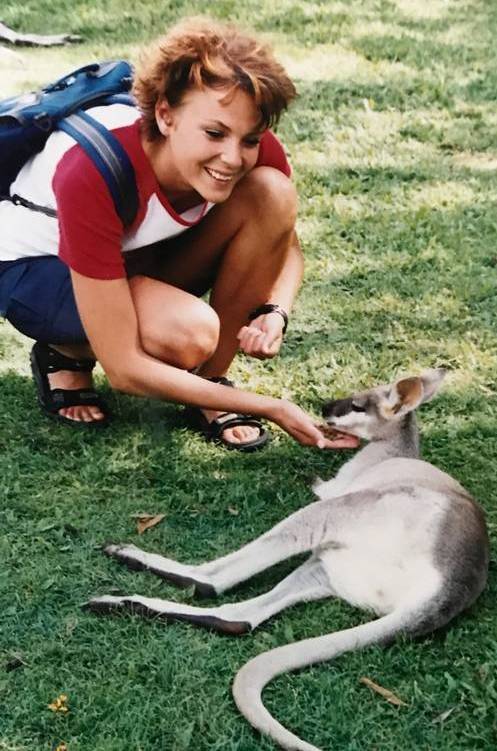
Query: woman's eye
[[214, 134], [252, 143]]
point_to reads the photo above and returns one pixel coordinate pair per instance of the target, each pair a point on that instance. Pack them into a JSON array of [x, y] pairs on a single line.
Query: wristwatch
[[270, 308]]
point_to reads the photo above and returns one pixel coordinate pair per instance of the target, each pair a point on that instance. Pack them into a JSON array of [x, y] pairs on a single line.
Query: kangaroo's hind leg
[[304, 530], [308, 582]]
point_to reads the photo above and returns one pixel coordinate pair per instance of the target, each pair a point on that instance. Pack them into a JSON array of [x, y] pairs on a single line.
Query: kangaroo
[[390, 533]]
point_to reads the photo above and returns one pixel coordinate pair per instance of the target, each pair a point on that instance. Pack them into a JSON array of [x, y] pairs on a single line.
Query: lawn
[[393, 142]]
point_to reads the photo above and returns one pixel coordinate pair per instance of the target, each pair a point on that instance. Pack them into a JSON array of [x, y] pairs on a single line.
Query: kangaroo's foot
[[179, 574], [222, 619]]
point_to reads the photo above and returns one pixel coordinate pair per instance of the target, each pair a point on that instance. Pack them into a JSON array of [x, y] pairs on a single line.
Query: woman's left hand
[[263, 336]]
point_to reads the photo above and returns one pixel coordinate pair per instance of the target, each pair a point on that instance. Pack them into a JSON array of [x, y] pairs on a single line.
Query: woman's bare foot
[[238, 434], [68, 379]]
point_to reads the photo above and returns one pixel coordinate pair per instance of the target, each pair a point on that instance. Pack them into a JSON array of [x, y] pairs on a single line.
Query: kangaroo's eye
[[357, 408]]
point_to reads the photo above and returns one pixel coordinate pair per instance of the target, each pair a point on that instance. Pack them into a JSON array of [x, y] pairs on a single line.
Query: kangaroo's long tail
[[252, 677]]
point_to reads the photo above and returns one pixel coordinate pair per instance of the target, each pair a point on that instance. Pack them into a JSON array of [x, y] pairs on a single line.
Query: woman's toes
[[74, 414], [96, 413], [241, 434], [92, 414]]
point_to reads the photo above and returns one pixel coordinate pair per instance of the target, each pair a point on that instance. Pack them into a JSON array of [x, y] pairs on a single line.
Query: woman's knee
[[185, 340], [271, 197]]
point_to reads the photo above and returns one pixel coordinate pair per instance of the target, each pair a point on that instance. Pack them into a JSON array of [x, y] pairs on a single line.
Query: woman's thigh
[[36, 297], [264, 200]]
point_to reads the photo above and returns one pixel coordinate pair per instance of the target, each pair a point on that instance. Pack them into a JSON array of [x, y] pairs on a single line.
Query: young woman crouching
[[217, 212]]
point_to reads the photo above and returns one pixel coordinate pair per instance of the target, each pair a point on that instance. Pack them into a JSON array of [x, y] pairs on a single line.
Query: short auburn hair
[[200, 52]]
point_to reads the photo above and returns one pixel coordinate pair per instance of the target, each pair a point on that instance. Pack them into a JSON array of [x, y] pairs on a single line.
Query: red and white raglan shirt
[[87, 233]]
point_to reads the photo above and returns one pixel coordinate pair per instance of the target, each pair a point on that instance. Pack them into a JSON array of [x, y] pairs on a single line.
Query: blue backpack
[[26, 122]]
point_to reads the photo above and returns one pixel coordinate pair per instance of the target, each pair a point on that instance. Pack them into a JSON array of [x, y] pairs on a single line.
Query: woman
[[216, 211]]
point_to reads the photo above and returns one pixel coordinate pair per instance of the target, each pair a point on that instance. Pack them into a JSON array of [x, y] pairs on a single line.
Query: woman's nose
[[232, 154]]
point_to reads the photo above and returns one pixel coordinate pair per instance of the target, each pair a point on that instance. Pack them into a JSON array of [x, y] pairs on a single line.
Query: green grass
[[394, 146]]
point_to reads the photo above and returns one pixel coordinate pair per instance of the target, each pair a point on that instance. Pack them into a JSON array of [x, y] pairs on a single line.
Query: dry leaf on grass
[[15, 661], [388, 695], [443, 716], [233, 510], [146, 521], [59, 704]]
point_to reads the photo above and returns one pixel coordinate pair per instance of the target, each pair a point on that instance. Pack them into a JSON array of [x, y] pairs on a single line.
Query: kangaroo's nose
[[336, 407], [328, 408]]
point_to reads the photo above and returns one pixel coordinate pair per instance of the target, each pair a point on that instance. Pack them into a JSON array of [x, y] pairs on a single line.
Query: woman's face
[[211, 141]]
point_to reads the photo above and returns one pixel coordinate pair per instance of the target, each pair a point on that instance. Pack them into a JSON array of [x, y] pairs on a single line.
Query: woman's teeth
[[218, 175]]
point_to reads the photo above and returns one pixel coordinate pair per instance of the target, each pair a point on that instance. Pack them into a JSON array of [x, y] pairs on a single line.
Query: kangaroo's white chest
[[383, 551]]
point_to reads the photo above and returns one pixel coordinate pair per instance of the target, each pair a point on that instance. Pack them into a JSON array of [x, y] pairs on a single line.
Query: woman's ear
[[163, 116]]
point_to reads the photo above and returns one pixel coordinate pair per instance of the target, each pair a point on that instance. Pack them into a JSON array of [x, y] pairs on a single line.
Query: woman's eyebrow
[[223, 126], [220, 124]]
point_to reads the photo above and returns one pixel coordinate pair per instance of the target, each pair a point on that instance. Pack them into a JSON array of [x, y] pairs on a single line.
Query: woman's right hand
[[303, 428]]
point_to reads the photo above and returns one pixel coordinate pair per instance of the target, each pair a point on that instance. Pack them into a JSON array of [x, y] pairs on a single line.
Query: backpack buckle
[[43, 121]]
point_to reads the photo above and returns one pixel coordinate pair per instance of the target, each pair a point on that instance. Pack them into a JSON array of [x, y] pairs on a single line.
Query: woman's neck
[[181, 199]]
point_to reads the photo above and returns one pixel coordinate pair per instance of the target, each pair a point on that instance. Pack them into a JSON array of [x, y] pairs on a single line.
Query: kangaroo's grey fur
[[390, 533]]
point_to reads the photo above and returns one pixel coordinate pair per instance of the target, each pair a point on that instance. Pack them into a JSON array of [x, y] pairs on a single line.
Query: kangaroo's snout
[[336, 408]]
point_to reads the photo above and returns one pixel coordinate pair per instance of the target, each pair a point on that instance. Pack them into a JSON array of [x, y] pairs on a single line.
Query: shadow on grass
[[401, 93], [420, 54], [381, 181]]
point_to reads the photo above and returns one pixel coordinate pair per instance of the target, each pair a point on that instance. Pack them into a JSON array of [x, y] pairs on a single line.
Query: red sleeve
[[272, 154], [90, 230]]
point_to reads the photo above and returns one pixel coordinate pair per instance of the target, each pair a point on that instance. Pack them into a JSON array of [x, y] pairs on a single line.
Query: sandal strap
[[213, 429], [62, 398], [53, 400], [51, 361], [232, 420]]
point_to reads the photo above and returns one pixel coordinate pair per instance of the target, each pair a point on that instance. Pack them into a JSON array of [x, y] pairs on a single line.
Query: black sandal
[[45, 360], [213, 429]]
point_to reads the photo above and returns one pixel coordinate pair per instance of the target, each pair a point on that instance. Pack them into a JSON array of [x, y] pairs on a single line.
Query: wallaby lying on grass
[[391, 533]]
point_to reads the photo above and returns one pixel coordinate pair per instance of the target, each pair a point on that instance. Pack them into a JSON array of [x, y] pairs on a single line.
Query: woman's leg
[[37, 298], [174, 326], [245, 251]]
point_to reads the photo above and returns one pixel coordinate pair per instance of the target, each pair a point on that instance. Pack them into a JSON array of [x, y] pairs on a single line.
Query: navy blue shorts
[[37, 297]]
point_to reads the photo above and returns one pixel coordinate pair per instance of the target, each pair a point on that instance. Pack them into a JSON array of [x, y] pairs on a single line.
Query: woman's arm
[[262, 338], [109, 318]]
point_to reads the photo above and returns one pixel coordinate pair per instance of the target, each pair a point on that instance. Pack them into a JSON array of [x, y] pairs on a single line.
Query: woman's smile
[[219, 176]]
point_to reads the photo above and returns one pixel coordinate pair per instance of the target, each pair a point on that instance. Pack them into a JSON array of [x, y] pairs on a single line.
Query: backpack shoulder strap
[[109, 157]]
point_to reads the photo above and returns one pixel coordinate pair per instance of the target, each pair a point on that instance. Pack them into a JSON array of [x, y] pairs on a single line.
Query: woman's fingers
[[301, 426], [343, 442], [256, 342], [252, 340]]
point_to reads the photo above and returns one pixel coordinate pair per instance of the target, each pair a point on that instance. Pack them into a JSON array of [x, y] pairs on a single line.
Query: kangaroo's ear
[[432, 380], [408, 393]]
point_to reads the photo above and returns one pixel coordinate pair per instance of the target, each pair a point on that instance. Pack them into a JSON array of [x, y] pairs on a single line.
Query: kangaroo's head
[[379, 412]]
